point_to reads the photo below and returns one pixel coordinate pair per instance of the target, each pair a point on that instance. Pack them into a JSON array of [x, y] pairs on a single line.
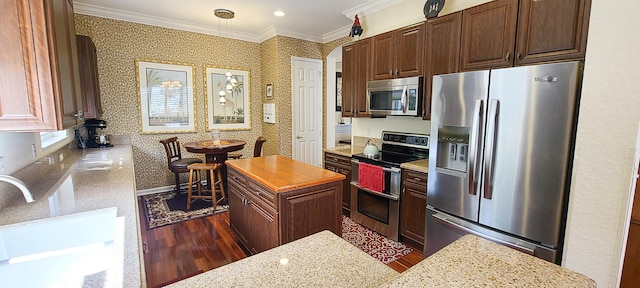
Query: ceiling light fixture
[[225, 14], [278, 13]]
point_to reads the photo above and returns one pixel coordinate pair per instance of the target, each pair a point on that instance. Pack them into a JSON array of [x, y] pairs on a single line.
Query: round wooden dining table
[[216, 154]]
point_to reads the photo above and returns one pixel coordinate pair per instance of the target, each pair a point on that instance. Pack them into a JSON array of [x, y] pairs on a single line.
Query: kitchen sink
[[47, 251]]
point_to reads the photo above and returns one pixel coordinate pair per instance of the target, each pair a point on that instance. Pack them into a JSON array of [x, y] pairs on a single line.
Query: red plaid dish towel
[[371, 177]]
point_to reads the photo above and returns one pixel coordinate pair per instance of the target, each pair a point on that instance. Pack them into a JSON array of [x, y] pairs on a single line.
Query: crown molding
[[103, 12], [369, 8], [336, 34], [272, 31]]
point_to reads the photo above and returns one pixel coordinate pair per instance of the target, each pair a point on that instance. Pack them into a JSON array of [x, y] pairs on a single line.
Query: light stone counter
[[345, 150], [419, 165], [475, 262], [319, 260], [100, 178]]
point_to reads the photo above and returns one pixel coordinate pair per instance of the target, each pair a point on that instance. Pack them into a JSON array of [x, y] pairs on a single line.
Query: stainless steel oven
[[380, 210]]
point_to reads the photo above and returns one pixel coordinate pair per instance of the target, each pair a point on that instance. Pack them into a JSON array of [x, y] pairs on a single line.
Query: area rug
[[170, 207], [373, 243]]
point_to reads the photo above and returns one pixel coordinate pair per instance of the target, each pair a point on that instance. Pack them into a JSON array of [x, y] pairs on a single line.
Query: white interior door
[[306, 75]]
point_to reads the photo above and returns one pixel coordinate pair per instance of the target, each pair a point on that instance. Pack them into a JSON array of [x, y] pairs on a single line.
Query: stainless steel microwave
[[401, 96]]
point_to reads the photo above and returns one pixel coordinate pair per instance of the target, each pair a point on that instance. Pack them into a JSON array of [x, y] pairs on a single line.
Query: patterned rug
[[373, 243], [167, 208]]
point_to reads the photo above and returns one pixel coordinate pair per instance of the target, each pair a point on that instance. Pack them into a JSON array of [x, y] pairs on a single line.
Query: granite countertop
[[419, 165], [100, 178], [319, 260], [472, 261], [345, 150]]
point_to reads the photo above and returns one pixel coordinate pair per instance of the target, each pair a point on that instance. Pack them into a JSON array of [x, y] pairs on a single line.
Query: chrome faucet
[[18, 183]]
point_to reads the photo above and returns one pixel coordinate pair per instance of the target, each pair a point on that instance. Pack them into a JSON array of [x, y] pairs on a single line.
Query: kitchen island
[[69, 182], [275, 200]]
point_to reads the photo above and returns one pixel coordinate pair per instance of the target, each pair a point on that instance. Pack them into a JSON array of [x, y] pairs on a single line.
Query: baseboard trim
[[163, 189]]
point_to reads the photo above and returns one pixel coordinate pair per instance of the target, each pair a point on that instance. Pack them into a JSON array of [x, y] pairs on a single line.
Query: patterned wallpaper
[[119, 43]]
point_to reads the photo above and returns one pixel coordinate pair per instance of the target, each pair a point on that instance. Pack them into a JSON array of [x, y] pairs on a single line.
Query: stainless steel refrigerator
[[500, 156]]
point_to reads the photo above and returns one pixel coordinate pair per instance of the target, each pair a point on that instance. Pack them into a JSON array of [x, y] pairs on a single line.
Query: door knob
[[298, 137]]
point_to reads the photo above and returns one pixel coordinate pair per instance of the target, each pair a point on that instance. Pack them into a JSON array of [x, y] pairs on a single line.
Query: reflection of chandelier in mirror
[[231, 80]]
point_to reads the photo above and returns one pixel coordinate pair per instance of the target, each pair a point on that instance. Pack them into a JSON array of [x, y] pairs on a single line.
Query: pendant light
[[226, 14]]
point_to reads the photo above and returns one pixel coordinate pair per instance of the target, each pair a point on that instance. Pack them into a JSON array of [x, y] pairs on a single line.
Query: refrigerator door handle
[[446, 221], [492, 131], [473, 148], [404, 100]]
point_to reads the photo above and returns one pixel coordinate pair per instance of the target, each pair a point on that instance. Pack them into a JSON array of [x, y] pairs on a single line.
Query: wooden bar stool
[[215, 176]]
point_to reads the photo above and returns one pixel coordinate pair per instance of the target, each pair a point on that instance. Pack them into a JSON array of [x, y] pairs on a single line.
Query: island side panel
[[307, 211]]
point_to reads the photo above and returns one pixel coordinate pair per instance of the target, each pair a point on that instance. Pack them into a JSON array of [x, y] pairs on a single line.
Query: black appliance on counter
[[95, 138], [380, 211]]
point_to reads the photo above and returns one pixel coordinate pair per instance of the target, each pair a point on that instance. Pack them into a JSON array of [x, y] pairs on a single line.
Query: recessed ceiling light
[[278, 13]]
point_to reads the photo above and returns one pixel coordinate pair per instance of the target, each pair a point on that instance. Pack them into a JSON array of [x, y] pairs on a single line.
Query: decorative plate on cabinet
[[432, 8]]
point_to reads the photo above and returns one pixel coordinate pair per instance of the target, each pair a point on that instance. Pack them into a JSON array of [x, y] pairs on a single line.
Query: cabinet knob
[[390, 72], [404, 191], [417, 179], [396, 72], [506, 58], [519, 56]]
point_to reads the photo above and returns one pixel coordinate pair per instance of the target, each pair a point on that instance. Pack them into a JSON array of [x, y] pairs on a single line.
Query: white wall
[[606, 141], [17, 152]]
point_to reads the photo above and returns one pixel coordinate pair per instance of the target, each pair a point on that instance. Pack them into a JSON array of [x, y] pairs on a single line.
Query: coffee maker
[[96, 139]]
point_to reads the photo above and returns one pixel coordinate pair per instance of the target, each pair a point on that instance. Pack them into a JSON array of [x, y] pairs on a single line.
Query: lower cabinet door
[[263, 224], [238, 215], [412, 223]]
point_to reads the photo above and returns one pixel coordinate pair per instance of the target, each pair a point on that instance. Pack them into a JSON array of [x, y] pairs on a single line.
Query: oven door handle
[[383, 195], [391, 169]]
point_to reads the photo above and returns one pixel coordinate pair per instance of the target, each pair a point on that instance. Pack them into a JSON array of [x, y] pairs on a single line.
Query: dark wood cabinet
[[40, 61], [413, 207], [488, 35], [505, 33], [356, 64], [398, 53], [267, 210], [348, 79], [88, 67], [341, 164], [442, 52], [552, 30]]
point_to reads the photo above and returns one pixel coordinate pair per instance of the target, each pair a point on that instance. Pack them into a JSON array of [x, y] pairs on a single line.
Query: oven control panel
[[406, 139]]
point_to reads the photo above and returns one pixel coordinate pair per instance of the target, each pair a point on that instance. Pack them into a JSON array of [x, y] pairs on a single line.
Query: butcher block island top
[[282, 174], [274, 200]]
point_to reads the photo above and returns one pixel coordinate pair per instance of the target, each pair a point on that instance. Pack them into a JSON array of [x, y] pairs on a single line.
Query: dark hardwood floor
[[178, 251]]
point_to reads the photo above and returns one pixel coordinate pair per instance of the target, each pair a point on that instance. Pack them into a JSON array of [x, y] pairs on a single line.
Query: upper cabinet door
[[348, 78], [88, 67], [65, 55], [27, 104], [384, 46], [552, 30], [410, 51], [39, 60], [442, 52], [488, 35], [363, 74]]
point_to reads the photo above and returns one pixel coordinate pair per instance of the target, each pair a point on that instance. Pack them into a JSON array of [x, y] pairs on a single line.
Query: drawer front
[[337, 159], [265, 195], [236, 178], [414, 177]]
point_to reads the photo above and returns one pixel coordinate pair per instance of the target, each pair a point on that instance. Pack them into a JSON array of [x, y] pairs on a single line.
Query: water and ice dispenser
[[453, 148]]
